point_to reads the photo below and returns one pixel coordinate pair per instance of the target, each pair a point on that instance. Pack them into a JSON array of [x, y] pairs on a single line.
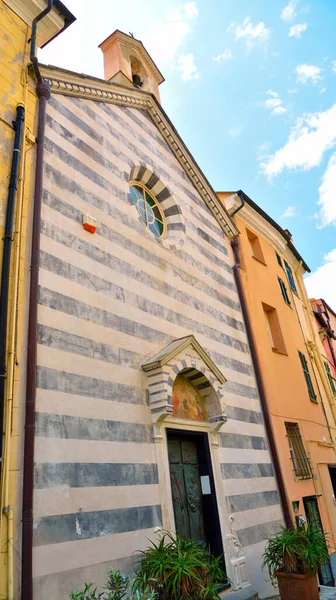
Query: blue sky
[[251, 88]]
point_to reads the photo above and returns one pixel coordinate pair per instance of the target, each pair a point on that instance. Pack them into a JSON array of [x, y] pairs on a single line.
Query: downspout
[[6, 263], [43, 94], [260, 385]]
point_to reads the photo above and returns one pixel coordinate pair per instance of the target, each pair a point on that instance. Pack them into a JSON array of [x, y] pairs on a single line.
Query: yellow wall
[[284, 382], [14, 57]]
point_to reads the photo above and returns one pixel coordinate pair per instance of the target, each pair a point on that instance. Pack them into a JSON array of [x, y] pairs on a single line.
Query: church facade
[[147, 410]]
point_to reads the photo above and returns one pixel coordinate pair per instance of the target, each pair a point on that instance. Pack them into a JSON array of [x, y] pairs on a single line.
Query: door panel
[[186, 489], [314, 519]]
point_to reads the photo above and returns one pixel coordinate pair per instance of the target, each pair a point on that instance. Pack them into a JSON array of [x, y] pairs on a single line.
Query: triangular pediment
[[69, 83], [176, 347]]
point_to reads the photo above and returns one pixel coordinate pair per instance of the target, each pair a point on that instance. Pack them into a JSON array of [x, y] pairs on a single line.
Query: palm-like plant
[[295, 551], [178, 569]]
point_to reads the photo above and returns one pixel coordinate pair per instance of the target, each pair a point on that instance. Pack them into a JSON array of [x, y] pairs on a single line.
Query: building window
[[148, 209], [290, 277], [332, 380], [255, 246], [284, 291], [306, 373], [299, 458], [279, 260], [274, 329]]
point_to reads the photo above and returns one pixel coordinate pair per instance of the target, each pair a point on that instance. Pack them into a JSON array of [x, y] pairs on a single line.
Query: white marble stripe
[[252, 485], [62, 403], [93, 331], [92, 298], [244, 428], [55, 358], [242, 455], [72, 555], [257, 516], [62, 500], [62, 450]]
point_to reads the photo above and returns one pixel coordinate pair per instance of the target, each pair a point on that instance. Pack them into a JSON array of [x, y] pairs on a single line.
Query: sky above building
[[251, 88]]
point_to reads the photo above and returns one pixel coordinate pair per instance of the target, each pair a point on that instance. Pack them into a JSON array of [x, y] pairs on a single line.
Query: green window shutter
[[306, 373], [284, 291], [279, 260], [290, 277], [332, 380]]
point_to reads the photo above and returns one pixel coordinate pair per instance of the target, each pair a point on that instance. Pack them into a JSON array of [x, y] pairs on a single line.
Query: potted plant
[[293, 558], [179, 569]]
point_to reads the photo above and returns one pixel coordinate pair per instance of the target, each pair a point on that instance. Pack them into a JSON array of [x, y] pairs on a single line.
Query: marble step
[[245, 594]]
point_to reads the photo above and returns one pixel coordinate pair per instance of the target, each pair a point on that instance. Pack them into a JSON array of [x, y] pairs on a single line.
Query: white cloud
[[322, 90], [187, 67], [327, 194], [308, 140], [223, 56], [289, 213], [253, 35], [306, 73], [191, 10], [296, 30], [333, 66], [236, 131], [274, 103], [292, 91], [166, 36], [163, 27], [322, 282], [289, 12]]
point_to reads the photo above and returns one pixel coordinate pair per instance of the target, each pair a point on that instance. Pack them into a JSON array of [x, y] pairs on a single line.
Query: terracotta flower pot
[[298, 587]]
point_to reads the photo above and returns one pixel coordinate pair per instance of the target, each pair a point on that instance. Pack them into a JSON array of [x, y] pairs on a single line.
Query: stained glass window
[[148, 209]]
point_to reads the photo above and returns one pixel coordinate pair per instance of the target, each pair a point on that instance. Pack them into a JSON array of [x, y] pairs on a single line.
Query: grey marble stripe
[[56, 338], [92, 387], [242, 414], [241, 389], [84, 428], [93, 314], [83, 525], [258, 533], [49, 475], [235, 440], [242, 502], [246, 470], [117, 238], [63, 182]]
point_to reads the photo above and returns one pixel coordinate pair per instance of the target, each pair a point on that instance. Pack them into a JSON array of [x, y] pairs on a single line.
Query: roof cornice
[[91, 88]]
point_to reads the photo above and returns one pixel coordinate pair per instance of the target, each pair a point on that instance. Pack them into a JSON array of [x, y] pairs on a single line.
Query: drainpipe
[[43, 94], [6, 260], [260, 385]]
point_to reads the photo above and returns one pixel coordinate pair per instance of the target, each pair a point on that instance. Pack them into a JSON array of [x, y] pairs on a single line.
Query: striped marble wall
[[107, 302]]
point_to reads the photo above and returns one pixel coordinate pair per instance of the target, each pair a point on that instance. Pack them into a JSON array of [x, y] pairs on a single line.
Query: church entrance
[[193, 491]]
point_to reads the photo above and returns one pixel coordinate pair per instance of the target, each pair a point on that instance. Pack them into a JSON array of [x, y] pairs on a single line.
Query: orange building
[[289, 357], [325, 320]]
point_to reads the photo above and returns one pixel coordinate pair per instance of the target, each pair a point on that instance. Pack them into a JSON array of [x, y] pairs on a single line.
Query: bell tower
[[126, 61]]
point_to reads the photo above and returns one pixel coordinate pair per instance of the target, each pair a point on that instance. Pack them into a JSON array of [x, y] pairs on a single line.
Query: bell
[[136, 79]]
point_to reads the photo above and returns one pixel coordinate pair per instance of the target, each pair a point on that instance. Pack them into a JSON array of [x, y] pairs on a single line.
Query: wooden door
[[186, 489]]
